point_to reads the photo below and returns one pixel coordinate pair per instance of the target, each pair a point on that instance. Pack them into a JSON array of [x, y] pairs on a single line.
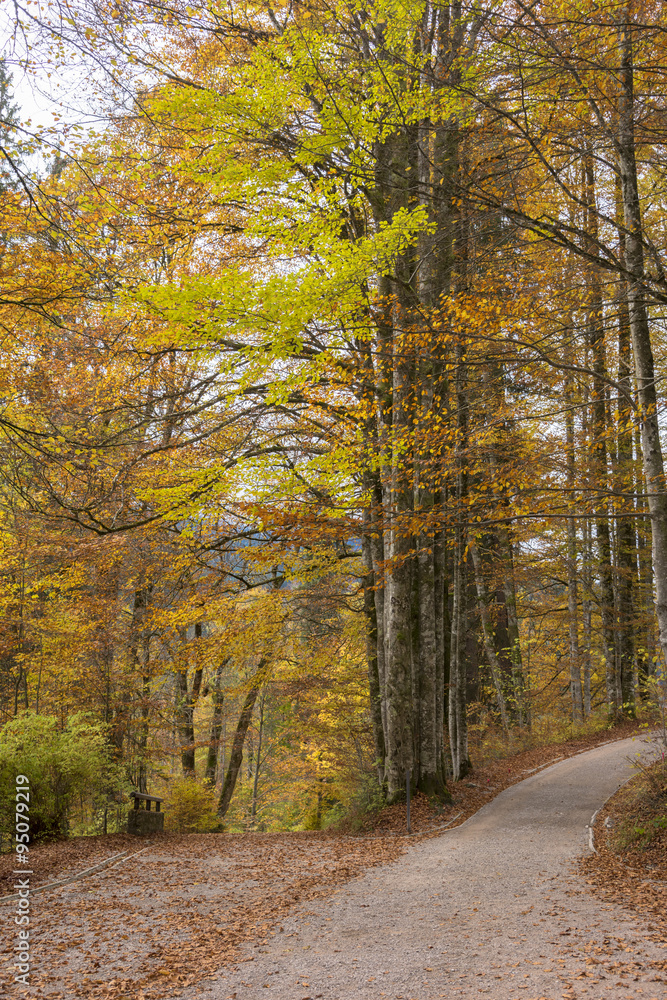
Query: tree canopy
[[332, 381]]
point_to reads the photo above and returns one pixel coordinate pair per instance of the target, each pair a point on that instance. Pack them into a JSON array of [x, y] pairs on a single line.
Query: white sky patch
[[59, 105]]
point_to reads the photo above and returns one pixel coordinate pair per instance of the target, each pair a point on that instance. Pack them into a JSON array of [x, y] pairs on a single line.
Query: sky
[[50, 101]]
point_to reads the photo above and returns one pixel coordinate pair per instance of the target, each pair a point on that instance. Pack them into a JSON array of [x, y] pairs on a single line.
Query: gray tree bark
[[187, 696], [654, 472], [398, 662], [211, 772], [572, 578], [258, 760], [587, 610], [596, 331], [520, 696], [487, 632], [374, 648], [626, 538], [236, 755], [457, 717]]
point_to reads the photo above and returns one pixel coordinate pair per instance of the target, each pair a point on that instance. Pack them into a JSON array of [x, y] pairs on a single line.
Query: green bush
[[63, 766], [191, 807], [366, 799]]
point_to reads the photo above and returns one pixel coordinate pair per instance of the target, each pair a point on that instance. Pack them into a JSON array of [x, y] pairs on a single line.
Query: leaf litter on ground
[[629, 870], [180, 910]]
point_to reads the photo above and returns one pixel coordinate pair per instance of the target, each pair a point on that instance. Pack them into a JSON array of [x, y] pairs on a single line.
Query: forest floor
[[629, 865], [169, 918]]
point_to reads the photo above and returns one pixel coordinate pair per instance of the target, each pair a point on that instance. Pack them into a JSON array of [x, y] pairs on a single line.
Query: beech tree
[[366, 289]]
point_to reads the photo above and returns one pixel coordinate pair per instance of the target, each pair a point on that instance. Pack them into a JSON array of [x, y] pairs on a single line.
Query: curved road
[[491, 908]]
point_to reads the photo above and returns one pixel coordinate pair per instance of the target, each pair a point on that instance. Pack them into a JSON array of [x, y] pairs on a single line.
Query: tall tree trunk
[[211, 771], [521, 703], [186, 701], [400, 557], [381, 499], [645, 652], [140, 659], [429, 743], [654, 472], [595, 322], [372, 656], [587, 610], [503, 553], [258, 761], [576, 691], [442, 636], [375, 442], [236, 756], [487, 632], [626, 538], [572, 596], [429, 776], [457, 717], [142, 781]]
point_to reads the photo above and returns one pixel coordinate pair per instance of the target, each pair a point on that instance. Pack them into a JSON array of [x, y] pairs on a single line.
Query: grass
[[639, 820]]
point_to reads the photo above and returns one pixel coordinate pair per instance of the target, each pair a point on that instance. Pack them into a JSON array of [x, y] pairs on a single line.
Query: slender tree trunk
[[372, 656], [521, 702], [258, 761], [373, 548], [429, 777], [429, 742], [377, 550], [442, 637], [140, 660], [587, 611], [187, 697], [587, 593], [399, 619], [487, 632], [236, 755], [572, 596], [211, 771], [599, 449], [142, 782], [381, 500], [458, 721], [572, 576], [626, 539], [645, 663]]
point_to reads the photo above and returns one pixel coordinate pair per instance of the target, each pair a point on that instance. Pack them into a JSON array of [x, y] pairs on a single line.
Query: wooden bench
[[144, 821]]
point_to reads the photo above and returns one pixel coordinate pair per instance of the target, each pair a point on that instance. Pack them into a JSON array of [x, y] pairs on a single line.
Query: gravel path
[[492, 908]]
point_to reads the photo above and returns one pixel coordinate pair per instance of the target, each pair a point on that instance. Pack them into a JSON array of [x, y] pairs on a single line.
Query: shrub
[[642, 809], [637, 836], [63, 766], [366, 799], [191, 807]]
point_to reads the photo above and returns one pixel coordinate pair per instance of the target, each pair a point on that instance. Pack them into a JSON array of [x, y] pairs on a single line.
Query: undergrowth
[[489, 742], [643, 822]]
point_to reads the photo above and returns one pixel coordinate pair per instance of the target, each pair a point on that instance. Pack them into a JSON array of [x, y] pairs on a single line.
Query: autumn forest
[[332, 391]]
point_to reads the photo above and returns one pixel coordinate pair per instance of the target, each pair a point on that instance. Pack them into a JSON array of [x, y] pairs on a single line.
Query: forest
[[332, 394]]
